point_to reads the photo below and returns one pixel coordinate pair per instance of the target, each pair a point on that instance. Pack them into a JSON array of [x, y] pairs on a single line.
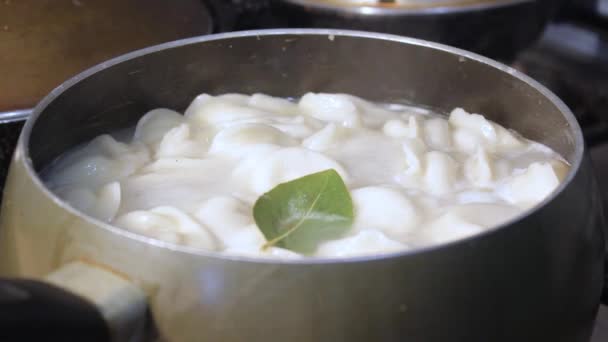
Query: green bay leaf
[[299, 214]]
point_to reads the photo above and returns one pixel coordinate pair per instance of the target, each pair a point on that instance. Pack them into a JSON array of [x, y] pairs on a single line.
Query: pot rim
[[23, 144], [378, 11]]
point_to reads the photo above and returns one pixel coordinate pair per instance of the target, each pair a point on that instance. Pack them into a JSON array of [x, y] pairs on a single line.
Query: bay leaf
[[299, 214]]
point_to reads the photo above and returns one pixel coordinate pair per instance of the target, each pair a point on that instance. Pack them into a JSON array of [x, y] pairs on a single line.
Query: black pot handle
[[77, 302], [32, 310]]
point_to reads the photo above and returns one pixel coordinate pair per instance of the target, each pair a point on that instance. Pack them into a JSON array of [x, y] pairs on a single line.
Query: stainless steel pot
[[536, 278], [494, 28]]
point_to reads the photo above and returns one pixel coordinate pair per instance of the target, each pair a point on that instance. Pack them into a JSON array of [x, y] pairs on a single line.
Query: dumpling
[[478, 196], [396, 128], [466, 141], [102, 204], [473, 123], [248, 237], [103, 160], [373, 115], [336, 108], [298, 127], [415, 177], [384, 209], [257, 252], [324, 138], [180, 142], [153, 126], [176, 182], [231, 222], [478, 169], [236, 98], [532, 186], [236, 140], [168, 224], [369, 158], [414, 151], [182, 166], [473, 131], [486, 215], [449, 227], [440, 174], [273, 104], [263, 171], [437, 134], [203, 99], [508, 139], [218, 111], [365, 242], [196, 104]]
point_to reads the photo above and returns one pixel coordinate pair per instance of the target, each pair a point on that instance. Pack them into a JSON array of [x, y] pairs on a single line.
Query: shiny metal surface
[[409, 7], [537, 278], [494, 28], [14, 115]]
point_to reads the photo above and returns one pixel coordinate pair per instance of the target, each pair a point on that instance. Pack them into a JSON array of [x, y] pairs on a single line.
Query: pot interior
[[288, 64]]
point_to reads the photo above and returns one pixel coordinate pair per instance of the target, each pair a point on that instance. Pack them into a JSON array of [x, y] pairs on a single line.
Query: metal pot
[[494, 28], [538, 277]]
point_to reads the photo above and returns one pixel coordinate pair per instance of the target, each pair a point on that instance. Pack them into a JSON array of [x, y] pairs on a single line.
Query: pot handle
[[77, 302]]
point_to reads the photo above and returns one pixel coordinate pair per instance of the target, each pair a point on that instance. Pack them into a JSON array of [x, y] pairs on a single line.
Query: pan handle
[[77, 302]]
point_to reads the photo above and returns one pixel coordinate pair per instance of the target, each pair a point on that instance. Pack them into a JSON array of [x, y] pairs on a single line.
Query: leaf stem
[[274, 241]]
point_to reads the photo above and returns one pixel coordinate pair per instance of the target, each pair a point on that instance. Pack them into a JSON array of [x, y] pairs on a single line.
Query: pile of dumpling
[[416, 178]]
